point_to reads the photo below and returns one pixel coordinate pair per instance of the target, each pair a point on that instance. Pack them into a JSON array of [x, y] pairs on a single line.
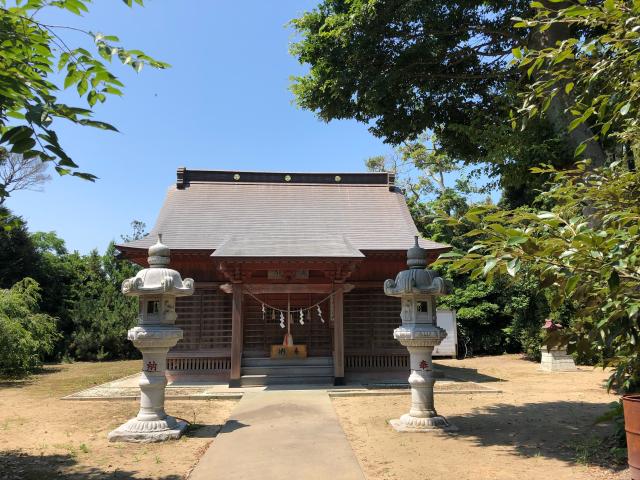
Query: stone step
[[267, 362], [263, 380], [289, 370]]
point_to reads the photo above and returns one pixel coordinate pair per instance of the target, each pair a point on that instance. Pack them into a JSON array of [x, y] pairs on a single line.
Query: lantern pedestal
[[556, 359], [420, 340], [152, 424]]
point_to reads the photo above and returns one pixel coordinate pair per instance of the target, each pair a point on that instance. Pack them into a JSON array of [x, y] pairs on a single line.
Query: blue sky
[[224, 104]]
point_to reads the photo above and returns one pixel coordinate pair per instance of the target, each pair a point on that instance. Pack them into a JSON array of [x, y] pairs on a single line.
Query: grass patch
[[599, 451]]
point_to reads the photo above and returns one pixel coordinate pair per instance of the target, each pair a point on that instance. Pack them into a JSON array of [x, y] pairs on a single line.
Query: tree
[[379, 163], [406, 67], [420, 167], [138, 231], [26, 335], [593, 68], [18, 254], [504, 315], [20, 173], [82, 292], [32, 50], [101, 315], [589, 258]]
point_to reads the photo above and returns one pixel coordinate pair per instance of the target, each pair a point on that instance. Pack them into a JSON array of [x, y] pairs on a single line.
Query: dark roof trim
[[184, 177]]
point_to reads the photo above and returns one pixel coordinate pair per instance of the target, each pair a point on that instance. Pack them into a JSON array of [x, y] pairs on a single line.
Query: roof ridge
[[185, 177]]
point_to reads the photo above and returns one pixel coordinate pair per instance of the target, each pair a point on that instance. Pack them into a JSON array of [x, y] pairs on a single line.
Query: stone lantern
[[417, 289], [157, 287]]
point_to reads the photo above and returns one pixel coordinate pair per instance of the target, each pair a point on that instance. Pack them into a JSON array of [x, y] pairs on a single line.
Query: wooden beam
[[338, 335], [208, 284], [236, 335], [379, 284], [269, 288]]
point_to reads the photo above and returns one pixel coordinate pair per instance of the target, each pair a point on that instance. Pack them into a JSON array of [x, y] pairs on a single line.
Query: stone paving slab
[[275, 435], [127, 389]]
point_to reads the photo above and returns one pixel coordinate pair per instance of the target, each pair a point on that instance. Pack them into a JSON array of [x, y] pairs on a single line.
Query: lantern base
[[407, 423], [149, 431]]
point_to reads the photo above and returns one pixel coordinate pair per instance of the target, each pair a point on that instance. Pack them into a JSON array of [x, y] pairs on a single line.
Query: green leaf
[[513, 267], [82, 87], [450, 255], [15, 134], [571, 284], [489, 265], [97, 124], [516, 240], [23, 145]]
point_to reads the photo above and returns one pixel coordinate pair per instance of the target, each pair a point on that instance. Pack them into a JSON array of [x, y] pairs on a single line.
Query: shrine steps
[[266, 371]]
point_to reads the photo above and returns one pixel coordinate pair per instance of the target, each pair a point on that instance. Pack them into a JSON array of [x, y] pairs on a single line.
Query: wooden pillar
[[236, 334], [338, 336]]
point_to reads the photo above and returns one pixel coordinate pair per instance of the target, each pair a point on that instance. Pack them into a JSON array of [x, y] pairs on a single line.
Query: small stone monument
[[555, 359], [417, 289], [157, 286]]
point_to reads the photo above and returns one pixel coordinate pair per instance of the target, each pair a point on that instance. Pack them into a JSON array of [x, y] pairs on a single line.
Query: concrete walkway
[[277, 435]]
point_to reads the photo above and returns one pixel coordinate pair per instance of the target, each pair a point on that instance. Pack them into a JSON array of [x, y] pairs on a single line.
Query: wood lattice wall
[[205, 318], [369, 320]]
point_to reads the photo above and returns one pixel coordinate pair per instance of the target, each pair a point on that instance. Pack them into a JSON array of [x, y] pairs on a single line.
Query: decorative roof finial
[[417, 256], [159, 254]]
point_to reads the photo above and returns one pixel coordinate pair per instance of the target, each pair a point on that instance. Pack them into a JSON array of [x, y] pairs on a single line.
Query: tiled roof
[[294, 219], [290, 245]]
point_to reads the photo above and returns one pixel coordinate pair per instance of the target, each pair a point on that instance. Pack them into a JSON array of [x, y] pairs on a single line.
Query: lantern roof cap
[[158, 279], [159, 254], [417, 280], [416, 255]]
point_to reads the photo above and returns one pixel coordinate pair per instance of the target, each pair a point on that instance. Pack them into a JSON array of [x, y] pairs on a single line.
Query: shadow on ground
[[199, 430], [20, 382], [464, 373], [399, 377], [562, 430], [20, 466]]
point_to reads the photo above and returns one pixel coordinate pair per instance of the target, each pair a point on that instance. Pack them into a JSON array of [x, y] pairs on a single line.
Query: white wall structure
[[449, 347]]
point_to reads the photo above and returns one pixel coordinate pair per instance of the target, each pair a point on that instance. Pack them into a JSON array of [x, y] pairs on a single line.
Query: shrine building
[[289, 271]]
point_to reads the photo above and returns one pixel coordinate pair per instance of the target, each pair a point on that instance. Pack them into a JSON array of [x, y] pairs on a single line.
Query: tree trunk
[[557, 114]]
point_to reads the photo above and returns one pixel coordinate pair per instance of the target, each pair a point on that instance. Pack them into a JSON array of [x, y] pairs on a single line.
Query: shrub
[[26, 335]]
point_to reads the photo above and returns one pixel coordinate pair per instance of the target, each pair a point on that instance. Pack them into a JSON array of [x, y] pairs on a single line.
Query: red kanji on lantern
[[152, 366], [424, 365]]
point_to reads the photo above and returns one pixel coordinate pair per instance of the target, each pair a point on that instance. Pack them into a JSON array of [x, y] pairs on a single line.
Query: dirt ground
[[541, 426], [43, 437]]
